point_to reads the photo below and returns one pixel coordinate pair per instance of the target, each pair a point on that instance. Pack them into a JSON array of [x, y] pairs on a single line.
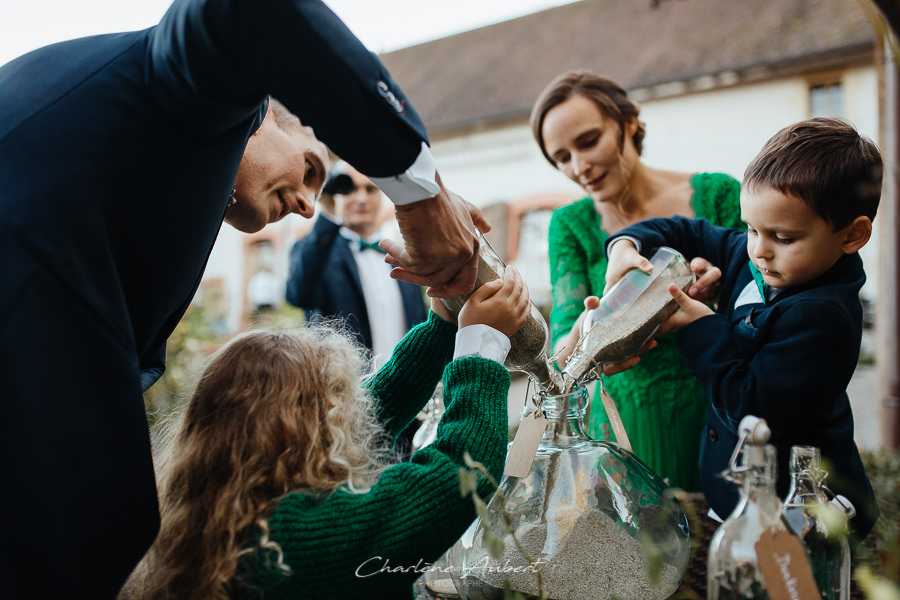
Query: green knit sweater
[[662, 406], [376, 544]]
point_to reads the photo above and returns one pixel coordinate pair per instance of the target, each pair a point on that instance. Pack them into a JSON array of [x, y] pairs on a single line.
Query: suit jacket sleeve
[[799, 362], [691, 237], [308, 262], [212, 62]]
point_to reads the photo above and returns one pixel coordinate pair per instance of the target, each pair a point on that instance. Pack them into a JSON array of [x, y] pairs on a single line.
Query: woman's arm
[[568, 277]]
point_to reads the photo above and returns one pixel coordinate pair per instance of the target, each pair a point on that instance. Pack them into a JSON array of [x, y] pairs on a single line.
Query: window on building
[[826, 100]]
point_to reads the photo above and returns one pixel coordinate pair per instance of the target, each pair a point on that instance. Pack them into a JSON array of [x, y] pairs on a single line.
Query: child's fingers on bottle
[[487, 289]]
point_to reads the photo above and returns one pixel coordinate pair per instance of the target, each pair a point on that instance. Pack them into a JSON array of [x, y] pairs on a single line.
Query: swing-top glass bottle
[[819, 523]]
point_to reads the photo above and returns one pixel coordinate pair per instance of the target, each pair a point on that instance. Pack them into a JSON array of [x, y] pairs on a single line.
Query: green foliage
[[468, 486], [187, 349], [283, 318]]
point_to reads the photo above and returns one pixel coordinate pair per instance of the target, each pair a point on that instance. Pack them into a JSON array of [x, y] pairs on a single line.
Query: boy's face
[[786, 240]]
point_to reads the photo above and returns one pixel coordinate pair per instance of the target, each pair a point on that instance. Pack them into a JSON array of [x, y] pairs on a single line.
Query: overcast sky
[[381, 24]]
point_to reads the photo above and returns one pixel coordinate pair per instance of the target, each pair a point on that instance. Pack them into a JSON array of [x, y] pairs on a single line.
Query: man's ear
[[857, 234]]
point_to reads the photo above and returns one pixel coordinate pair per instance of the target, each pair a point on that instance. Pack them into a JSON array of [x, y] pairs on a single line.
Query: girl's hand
[[502, 304], [438, 307], [689, 311]]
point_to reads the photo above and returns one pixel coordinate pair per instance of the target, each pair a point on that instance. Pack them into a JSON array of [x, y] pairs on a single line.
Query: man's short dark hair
[[285, 119], [826, 163]]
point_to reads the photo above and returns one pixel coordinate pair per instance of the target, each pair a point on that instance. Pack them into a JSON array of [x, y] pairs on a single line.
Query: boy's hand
[[502, 304], [690, 311], [623, 257], [709, 280]]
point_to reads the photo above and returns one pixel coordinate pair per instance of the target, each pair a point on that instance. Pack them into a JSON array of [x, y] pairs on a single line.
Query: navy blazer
[[324, 281], [117, 158], [788, 361]]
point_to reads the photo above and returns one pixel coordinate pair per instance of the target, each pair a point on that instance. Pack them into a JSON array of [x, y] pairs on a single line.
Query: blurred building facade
[[715, 79]]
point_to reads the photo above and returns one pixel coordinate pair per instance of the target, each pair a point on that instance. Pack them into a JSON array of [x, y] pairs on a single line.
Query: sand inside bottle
[[527, 345], [626, 333]]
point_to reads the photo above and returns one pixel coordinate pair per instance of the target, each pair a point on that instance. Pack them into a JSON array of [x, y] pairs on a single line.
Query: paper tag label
[[615, 420], [525, 445], [785, 567]]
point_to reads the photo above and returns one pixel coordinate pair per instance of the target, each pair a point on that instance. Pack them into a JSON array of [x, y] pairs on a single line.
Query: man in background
[[338, 270]]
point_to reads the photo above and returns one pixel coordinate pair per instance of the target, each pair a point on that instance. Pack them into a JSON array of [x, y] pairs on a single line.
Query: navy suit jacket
[[117, 158], [788, 361], [324, 281]]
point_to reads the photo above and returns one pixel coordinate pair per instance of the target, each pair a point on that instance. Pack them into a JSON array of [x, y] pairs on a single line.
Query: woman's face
[[584, 144]]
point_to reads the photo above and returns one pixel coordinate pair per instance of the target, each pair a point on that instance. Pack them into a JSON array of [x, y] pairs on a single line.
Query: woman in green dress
[[588, 128]]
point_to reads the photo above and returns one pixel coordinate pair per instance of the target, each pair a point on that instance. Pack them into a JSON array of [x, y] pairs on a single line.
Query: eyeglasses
[[343, 184]]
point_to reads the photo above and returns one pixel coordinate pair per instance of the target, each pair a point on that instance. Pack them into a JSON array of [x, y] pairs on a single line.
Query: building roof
[[651, 47]]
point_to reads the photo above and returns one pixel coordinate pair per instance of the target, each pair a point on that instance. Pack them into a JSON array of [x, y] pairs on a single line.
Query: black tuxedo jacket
[[324, 280], [117, 157]]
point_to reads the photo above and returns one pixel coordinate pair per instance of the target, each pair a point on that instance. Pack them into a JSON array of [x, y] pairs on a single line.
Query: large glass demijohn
[[590, 521]]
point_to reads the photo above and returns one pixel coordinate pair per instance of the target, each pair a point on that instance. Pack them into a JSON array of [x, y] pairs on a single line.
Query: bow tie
[[363, 245], [760, 283]]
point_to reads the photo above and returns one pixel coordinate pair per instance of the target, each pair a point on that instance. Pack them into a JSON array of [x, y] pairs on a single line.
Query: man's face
[[359, 210], [281, 172]]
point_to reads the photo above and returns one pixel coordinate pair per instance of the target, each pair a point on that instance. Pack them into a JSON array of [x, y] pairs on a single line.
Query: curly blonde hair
[[274, 412]]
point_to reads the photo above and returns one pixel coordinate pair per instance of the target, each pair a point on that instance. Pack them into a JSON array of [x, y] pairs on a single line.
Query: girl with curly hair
[[276, 480]]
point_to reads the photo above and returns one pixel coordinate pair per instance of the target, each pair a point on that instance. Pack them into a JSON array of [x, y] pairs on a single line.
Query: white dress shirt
[[384, 304], [418, 182]]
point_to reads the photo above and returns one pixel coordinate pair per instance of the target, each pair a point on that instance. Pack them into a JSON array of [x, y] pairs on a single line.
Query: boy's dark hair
[[824, 162]]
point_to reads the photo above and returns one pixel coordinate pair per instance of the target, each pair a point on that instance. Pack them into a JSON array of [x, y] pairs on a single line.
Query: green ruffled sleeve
[[576, 259], [717, 198]]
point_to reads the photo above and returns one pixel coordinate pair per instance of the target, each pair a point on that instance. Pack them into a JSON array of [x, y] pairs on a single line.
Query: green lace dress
[[661, 404]]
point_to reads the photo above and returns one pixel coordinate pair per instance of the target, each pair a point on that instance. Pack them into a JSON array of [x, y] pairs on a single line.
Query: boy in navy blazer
[[785, 338]]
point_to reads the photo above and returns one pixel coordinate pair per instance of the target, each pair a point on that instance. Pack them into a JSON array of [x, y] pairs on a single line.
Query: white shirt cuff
[[417, 183], [483, 341]]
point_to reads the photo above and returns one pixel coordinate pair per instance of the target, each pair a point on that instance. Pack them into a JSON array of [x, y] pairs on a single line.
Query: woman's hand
[[623, 257], [566, 345], [503, 304]]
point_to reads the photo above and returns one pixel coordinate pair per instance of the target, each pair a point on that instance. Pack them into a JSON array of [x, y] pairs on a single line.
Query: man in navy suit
[[120, 156], [338, 270]]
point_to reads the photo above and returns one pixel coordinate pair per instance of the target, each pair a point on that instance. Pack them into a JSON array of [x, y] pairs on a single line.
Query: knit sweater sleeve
[[406, 382], [376, 544]]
